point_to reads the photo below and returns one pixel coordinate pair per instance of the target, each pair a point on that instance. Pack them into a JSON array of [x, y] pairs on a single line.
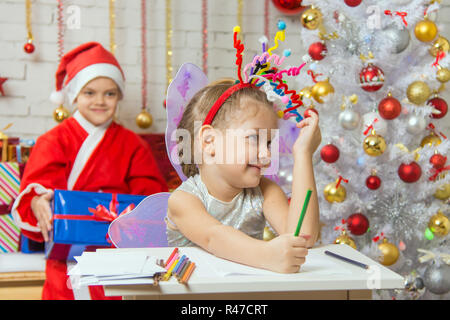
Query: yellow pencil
[[169, 272]]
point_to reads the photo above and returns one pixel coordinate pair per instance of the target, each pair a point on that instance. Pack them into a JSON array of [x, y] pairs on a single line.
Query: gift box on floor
[[81, 220], [9, 234], [9, 182]]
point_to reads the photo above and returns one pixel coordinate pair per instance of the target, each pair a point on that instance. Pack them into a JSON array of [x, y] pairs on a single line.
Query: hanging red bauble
[[353, 3], [307, 112], [371, 78], [317, 50], [358, 224], [389, 108], [373, 182], [438, 161], [29, 47], [329, 153], [409, 172], [440, 105], [289, 7]]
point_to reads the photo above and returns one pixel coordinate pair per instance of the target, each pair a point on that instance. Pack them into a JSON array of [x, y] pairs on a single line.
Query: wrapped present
[[81, 220], [27, 245], [19, 153], [9, 234], [9, 182]]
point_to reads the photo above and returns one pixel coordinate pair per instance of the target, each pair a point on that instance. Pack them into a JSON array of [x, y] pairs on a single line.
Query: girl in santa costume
[[86, 152]]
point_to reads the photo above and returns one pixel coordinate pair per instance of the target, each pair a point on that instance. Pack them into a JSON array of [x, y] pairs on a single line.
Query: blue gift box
[[81, 220]]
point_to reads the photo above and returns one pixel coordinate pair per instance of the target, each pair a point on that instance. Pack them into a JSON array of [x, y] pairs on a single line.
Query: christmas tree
[[376, 72]]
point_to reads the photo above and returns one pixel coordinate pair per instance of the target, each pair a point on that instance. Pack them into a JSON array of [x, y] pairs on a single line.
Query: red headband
[[216, 106]]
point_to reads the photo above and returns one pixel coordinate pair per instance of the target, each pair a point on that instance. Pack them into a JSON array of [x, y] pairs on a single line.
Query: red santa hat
[[81, 65]]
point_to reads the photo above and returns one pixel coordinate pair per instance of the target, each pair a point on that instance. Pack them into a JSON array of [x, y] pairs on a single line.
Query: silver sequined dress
[[244, 212]]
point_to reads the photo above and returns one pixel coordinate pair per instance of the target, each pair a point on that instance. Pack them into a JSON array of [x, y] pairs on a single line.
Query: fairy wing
[[187, 82], [142, 227]]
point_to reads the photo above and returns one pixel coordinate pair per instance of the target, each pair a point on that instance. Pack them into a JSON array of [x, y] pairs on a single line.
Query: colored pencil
[[183, 269], [178, 271], [356, 263], [174, 258], [169, 272], [302, 214], [179, 263], [171, 256], [188, 273]]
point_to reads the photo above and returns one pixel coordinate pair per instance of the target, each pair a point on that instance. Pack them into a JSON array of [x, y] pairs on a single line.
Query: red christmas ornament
[[371, 78], [358, 224], [389, 108], [409, 172], [438, 161], [29, 47], [2, 81], [329, 153], [317, 50], [373, 182], [308, 111], [440, 105], [289, 7], [353, 3]]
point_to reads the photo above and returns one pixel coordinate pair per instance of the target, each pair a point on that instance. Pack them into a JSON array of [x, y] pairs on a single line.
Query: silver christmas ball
[[437, 278], [349, 119], [416, 124], [398, 37]]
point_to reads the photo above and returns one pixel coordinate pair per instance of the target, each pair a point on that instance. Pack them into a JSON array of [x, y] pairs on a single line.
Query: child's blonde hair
[[199, 106]]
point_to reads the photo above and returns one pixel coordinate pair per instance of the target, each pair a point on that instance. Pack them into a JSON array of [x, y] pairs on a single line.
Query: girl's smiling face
[[246, 145], [97, 101]]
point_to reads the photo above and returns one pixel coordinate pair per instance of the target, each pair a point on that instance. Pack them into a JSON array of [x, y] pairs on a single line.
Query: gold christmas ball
[[439, 224], [344, 238], [321, 89], [430, 140], [443, 75], [268, 234], [443, 192], [389, 251], [440, 45], [333, 194], [425, 30], [311, 18], [418, 92], [306, 92], [374, 145], [60, 114], [144, 120]]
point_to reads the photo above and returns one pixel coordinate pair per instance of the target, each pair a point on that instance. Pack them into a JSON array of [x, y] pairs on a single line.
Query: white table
[[356, 285]]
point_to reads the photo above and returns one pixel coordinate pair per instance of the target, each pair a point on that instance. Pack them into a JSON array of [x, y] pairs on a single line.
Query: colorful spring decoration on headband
[[261, 74]]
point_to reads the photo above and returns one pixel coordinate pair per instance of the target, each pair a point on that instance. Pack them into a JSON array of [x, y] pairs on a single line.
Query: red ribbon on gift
[[100, 213]]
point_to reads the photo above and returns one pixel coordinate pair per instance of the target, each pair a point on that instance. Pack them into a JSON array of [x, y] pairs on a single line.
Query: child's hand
[[41, 209], [309, 137], [286, 253]]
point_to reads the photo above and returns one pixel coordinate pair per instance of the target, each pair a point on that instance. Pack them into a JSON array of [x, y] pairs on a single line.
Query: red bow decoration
[[339, 182], [101, 213], [398, 13], [438, 172], [371, 127], [440, 55]]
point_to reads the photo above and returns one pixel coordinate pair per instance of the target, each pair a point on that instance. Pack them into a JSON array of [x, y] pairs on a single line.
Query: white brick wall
[[31, 77]]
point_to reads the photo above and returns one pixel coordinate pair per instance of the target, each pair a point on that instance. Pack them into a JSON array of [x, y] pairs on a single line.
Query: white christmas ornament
[[415, 124], [349, 119]]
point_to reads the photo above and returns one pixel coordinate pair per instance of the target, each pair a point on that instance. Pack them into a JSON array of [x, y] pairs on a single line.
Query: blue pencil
[[356, 263], [175, 270]]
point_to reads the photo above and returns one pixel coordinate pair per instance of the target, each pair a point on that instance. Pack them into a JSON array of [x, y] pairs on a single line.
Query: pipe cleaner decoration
[[270, 79]]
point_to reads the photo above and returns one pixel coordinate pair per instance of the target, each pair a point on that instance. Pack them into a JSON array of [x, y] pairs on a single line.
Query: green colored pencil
[[302, 215]]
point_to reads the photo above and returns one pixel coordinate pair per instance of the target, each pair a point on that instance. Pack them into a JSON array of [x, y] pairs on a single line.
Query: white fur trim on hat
[[91, 72], [57, 97]]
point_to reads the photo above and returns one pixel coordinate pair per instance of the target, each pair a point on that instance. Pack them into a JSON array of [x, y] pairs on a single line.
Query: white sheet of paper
[[93, 263], [212, 266]]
